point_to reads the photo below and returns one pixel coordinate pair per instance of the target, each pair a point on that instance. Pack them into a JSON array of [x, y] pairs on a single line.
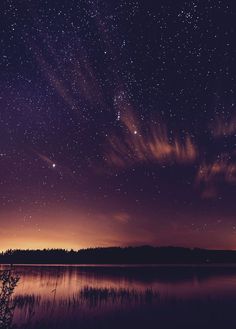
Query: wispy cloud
[[222, 127], [210, 176], [152, 144], [141, 141], [122, 217]]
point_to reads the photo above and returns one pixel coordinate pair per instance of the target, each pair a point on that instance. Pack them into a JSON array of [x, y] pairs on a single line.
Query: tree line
[[119, 255]]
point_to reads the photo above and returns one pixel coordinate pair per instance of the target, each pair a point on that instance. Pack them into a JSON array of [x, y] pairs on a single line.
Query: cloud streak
[[210, 176], [142, 142], [152, 144], [223, 128]]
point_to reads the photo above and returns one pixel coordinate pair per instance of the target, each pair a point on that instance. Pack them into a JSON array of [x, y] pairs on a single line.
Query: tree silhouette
[[8, 283]]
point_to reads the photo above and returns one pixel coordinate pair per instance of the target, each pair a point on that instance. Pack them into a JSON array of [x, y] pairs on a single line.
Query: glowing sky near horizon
[[118, 123]]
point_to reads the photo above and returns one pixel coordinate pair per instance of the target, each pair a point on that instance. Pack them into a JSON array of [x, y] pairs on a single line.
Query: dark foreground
[[118, 255], [124, 297]]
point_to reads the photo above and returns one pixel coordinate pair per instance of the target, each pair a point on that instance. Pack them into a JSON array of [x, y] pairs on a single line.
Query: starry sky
[[118, 123]]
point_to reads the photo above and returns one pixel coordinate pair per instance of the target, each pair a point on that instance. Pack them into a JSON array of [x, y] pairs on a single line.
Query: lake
[[124, 297]]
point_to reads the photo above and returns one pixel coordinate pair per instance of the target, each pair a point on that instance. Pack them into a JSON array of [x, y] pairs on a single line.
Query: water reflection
[[115, 297]]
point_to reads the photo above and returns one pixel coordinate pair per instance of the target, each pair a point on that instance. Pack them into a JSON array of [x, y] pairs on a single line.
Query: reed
[[106, 295]]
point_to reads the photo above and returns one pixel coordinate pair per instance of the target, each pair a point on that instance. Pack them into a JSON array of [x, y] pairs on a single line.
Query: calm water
[[124, 297]]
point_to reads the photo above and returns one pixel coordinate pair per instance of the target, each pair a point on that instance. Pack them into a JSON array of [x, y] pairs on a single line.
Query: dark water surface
[[125, 297]]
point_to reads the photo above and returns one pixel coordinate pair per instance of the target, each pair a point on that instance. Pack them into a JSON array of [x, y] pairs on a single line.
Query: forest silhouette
[[118, 255]]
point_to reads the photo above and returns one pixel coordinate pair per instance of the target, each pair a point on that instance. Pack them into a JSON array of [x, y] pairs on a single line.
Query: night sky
[[118, 123]]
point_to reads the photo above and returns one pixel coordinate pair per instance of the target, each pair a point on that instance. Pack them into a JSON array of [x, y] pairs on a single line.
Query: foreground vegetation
[[8, 282], [105, 308]]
